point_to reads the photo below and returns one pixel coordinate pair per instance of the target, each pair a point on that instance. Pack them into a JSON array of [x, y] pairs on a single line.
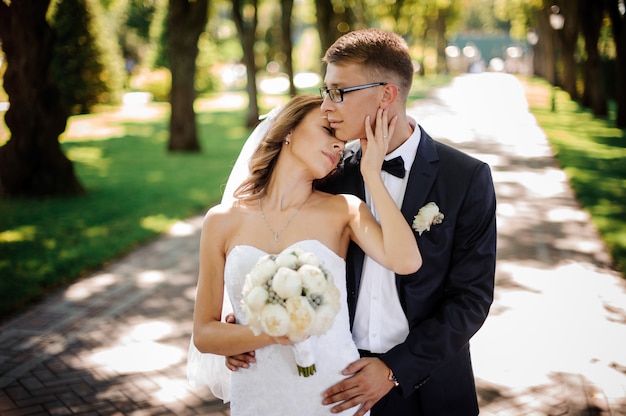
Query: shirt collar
[[408, 149]]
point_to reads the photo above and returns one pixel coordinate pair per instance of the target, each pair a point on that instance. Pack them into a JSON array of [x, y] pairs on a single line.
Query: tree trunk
[[594, 93], [287, 8], [618, 25], [440, 25], [32, 163], [247, 35], [187, 20], [544, 49], [569, 37], [328, 22]]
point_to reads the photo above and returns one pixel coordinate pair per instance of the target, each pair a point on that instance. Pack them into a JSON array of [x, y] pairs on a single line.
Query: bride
[[277, 207]]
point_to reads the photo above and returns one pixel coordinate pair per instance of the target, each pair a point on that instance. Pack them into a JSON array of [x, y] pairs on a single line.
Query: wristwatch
[[393, 378]]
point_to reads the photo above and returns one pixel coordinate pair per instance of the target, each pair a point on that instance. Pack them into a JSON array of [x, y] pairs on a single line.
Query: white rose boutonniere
[[427, 215]]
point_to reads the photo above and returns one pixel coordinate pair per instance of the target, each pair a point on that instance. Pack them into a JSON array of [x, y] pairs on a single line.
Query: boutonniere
[[427, 215]]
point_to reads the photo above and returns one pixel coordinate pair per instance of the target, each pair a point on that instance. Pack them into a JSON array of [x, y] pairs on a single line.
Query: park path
[[115, 343]]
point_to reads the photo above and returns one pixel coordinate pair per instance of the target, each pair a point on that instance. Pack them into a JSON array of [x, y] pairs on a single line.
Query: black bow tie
[[395, 167]]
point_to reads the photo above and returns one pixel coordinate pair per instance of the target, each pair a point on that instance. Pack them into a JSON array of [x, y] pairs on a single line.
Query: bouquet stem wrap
[[304, 351]]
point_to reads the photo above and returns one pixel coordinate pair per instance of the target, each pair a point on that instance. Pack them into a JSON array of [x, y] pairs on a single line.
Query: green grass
[[592, 152], [136, 191]]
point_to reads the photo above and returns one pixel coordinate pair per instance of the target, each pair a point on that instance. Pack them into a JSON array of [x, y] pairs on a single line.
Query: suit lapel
[[421, 177]]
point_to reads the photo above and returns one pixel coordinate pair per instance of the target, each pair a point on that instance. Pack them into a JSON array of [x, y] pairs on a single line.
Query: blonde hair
[[264, 159]]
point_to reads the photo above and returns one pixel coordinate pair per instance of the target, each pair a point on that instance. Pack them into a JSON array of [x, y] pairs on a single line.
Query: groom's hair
[[383, 55]]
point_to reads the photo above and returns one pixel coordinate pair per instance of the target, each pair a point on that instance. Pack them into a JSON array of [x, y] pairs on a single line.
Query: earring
[[287, 138]]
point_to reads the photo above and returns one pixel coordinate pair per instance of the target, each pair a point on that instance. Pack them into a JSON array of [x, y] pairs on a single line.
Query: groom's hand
[[234, 362], [367, 384]]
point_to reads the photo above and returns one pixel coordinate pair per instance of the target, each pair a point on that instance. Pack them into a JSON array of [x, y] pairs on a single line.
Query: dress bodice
[[272, 385]]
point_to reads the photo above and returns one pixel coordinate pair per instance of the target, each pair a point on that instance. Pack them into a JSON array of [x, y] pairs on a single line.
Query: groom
[[412, 331]]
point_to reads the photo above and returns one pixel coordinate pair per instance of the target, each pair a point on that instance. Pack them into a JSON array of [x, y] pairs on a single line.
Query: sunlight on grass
[[91, 156], [592, 152], [158, 223], [25, 233]]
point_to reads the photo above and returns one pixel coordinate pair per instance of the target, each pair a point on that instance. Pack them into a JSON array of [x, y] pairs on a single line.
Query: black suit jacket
[[447, 300]]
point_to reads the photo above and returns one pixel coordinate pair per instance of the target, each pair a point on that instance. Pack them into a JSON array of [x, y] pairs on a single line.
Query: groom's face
[[347, 118]]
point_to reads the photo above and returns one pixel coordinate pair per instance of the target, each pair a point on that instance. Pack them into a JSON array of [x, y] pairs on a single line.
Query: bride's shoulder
[[225, 213]]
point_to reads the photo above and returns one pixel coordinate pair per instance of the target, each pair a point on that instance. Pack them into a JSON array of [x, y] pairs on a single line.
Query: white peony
[[256, 298], [324, 318], [253, 320], [331, 297], [301, 315], [287, 259], [309, 258], [287, 283], [313, 279], [427, 215], [263, 270], [274, 320]]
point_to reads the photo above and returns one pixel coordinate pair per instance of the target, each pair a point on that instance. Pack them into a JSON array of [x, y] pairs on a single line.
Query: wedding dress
[[272, 386]]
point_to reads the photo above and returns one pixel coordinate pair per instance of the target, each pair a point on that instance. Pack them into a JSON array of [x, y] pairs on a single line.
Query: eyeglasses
[[336, 94]]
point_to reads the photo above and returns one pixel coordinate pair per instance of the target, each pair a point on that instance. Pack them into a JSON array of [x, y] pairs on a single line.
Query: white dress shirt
[[380, 322]]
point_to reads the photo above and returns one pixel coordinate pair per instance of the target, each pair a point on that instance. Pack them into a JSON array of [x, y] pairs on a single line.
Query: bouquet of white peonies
[[291, 294]]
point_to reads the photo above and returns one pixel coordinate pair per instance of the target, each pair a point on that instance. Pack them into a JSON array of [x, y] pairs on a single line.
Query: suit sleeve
[[454, 288]]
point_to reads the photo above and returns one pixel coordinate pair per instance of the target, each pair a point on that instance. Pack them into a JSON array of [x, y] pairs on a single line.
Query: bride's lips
[[332, 157]]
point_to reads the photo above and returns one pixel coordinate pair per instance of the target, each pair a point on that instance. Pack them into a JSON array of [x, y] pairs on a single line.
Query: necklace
[[277, 234]]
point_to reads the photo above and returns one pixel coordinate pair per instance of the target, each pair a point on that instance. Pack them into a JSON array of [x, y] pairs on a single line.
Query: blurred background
[[121, 117]]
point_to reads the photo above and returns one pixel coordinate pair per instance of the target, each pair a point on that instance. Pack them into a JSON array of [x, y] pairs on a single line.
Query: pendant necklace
[[277, 234]]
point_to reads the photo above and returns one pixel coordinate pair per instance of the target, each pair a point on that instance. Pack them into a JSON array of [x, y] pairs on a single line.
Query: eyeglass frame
[[325, 91]]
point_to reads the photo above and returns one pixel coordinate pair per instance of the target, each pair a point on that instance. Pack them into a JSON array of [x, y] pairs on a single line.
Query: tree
[[79, 64], [287, 8], [594, 94], [569, 38], [186, 21], [32, 163], [246, 19], [618, 26], [332, 22]]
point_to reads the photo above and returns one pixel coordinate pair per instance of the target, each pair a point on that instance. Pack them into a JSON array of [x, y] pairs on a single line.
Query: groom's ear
[[390, 95]]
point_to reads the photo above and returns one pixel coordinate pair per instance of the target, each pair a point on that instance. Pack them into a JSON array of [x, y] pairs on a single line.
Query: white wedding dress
[[272, 385]]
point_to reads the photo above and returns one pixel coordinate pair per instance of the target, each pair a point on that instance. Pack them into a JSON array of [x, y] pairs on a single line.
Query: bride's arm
[[209, 334], [391, 243]]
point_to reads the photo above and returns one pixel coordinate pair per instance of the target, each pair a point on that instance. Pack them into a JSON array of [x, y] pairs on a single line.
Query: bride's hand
[[376, 144]]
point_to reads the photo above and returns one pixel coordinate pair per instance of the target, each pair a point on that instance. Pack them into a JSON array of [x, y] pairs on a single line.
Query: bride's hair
[[263, 160]]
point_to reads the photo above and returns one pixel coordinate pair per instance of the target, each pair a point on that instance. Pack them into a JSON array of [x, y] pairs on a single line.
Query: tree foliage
[[86, 68]]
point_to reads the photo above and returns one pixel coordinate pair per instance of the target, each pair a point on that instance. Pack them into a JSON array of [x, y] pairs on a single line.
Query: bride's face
[[314, 142]]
